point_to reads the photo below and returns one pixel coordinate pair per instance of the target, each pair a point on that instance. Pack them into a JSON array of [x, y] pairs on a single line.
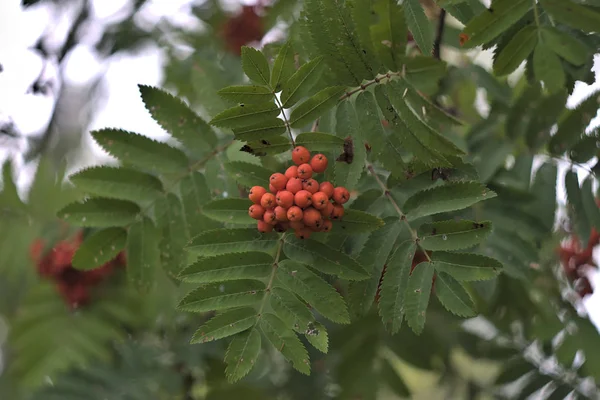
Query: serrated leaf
[[494, 21], [283, 67], [171, 219], [100, 213], [291, 310], [223, 241], [285, 340], [194, 194], [574, 197], [270, 146], [323, 258], [548, 68], [225, 324], [574, 15], [432, 114], [355, 221], [242, 354], [423, 73], [99, 248], [228, 267], [392, 379], [255, 65], [267, 128], [318, 337], [394, 286], [312, 108], [233, 211], [118, 183], [566, 46], [314, 290], [389, 34], [466, 266], [317, 141], [143, 254], [453, 296], [416, 298], [516, 51], [177, 118], [247, 94], [301, 82], [243, 115], [247, 174], [419, 25], [449, 197], [348, 174], [453, 235], [221, 296], [589, 203]]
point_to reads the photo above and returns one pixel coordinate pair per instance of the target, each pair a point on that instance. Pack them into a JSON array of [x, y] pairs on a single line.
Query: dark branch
[[440, 34]]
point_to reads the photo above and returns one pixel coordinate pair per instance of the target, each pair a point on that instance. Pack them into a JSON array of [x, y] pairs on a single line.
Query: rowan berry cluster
[[74, 285], [577, 262], [298, 201]]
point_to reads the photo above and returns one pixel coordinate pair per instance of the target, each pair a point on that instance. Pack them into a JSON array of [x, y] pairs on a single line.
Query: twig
[[437, 44], [287, 123], [378, 79], [272, 277]]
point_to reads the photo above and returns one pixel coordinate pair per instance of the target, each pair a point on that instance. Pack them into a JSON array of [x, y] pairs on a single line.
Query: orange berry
[[320, 200], [327, 188], [303, 198], [281, 214], [294, 185], [311, 185], [268, 201], [285, 198], [300, 155], [256, 193], [303, 233], [264, 227], [282, 227], [278, 181], [338, 211], [296, 225], [341, 195], [272, 188], [312, 218], [327, 225], [319, 163], [294, 213], [292, 172], [256, 211], [326, 212], [269, 217], [304, 171]]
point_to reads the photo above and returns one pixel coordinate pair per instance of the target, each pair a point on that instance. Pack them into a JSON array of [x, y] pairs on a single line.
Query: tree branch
[[437, 44]]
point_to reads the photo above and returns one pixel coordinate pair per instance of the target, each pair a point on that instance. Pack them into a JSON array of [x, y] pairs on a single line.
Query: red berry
[[264, 227], [319, 163], [278, 181], [281, 214], [300, 155], [295, 225], [303, 198], [256, 211], [338, 211], [268, 201], [256, 193], [341, 195], [269, 217], [294, 185], [292, 172], [327, 188], [303, 233], [312, 218], [327, 225], [311, 185], [326, 212], [320, 200], [304, 171], [285, 199], [294, 214]]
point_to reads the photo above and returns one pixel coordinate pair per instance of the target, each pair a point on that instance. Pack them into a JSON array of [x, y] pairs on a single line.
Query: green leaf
[[389, 34], [225, 324], [228, 267], [358, 10], [99, 248], [347, 175], [215, 297], [291, 310], [140, 151], [283, 67], [394, 286], [242, 354], [314, 290], [494, 21], [255, 65], [547, 68], [263, 147], [223, 241], [516, 51], [267, 128], [247, 174], [312, 108], [194, 195], [233, 211], [449, 197], [424, 73], [566, 46], [118, 183], [466, 266], [100, 213], [243, 115], [301, 82], [416, 298], [323, 258], [247, 94], [589, 203], [317, 141], [392, 378], [285, 340], [355, 221], [453, 235], [171, 219], [581, 221], [574, 15], [453, 296], [176, 117], [318, 337], [143, 253], [419, 25]]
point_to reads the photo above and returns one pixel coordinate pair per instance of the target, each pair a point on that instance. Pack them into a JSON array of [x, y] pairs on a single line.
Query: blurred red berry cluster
[[74, 285], [576, 261], [241, 29]]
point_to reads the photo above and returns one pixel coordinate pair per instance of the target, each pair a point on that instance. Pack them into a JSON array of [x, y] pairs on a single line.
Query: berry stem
[[287, 123], [272, 277], [378, 79]]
